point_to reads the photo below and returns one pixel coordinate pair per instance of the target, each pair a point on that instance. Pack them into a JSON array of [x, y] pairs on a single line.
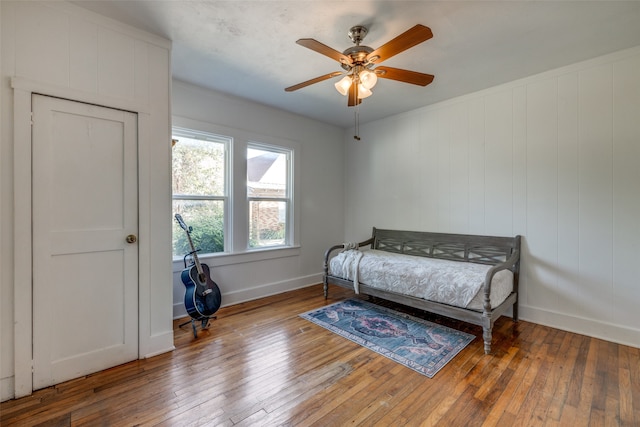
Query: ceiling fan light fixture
[[363, 91], [343, 85], [368, 78]]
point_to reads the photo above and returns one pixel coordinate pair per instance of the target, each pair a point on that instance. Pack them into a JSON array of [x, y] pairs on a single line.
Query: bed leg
[[515, 311], [486, 335], [325, 286]]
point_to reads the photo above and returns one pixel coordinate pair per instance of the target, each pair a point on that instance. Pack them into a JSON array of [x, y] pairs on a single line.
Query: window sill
[[253, 255]]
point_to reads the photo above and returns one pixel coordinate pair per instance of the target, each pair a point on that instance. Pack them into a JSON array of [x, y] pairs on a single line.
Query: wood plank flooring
[[260, 364]]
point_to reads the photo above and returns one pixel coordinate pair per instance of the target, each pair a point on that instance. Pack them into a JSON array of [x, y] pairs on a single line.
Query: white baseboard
[[609, 332], [250, 294], [157, 344], [6, 389]]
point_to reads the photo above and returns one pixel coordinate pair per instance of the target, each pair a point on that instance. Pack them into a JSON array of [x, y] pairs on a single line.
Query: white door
[[85, 205]]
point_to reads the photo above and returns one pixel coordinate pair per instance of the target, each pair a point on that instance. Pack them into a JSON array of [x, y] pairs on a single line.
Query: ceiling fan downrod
[[357, 33]]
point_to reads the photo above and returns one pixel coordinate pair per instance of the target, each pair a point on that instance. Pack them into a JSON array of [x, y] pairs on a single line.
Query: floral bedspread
[[449, 282]]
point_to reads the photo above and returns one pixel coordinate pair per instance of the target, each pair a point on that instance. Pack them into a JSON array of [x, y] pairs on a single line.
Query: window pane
[[267, 223], [198, 167], [206, 218], [266, 173]]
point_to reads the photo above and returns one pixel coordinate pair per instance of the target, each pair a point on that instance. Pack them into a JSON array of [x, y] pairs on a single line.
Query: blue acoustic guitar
[[202, 296]]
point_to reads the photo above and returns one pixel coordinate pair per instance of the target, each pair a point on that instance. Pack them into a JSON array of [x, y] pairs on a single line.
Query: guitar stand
[[204, 324]]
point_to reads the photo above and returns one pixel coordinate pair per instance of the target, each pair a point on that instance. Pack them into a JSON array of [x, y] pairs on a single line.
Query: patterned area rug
[[418, 344]]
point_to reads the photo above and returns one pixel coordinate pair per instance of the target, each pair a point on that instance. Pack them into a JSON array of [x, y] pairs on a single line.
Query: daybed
[[465, 277]]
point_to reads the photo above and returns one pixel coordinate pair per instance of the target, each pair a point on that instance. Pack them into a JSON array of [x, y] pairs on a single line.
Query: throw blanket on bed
[[350, 267], [449, 282]]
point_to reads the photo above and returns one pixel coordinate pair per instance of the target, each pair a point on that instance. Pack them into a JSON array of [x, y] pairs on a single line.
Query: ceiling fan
[[358, 62]]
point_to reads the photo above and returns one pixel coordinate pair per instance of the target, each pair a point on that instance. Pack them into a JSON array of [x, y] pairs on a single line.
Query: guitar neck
[[201, 275], [194, 253]]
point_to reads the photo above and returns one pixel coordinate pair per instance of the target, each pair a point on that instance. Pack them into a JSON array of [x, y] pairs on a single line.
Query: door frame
[[23, 89]]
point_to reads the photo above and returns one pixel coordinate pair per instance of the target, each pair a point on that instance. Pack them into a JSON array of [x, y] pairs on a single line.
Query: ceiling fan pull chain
[[356, 117]]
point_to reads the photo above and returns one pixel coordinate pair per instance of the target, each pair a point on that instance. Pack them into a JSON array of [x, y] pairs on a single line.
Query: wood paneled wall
[[554, 157]]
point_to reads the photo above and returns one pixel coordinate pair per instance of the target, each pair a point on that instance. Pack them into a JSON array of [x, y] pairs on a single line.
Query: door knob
[[132, 238]]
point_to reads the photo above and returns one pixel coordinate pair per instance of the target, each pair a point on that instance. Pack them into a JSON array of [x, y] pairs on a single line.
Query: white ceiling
[[248, 49]]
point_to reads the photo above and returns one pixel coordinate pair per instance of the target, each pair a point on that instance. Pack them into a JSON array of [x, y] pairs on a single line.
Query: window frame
[[236, 209], [227, 142], [288, 199]]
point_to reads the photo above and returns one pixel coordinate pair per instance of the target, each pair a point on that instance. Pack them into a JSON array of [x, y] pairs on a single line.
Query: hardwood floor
[[261, 364]]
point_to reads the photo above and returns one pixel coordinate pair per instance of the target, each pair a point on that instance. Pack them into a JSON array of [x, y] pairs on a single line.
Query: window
[[238, 195], [200, 195], [268, 195]]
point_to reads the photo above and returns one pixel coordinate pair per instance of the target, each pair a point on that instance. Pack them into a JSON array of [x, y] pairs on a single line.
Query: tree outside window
[[199, 190]]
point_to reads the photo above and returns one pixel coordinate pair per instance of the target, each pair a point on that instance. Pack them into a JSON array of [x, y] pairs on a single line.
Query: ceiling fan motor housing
[[358, 55]]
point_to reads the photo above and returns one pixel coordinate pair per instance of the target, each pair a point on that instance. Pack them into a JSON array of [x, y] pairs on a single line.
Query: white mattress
[[448, 282]]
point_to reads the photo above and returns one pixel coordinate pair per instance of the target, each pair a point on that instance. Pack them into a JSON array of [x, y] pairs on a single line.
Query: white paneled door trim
[[22, 181]]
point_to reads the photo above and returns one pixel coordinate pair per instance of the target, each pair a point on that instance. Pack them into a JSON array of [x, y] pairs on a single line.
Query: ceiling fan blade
[[353, 96], [404, 41], [312, 81], [325, 50], [405, 76]]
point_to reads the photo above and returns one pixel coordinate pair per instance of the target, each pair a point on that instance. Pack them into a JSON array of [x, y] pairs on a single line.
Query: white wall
[[59, 49], [554, 157], [320, 193]]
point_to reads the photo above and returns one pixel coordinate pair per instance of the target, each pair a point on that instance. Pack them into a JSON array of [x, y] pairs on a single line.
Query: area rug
[[418, 344]]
